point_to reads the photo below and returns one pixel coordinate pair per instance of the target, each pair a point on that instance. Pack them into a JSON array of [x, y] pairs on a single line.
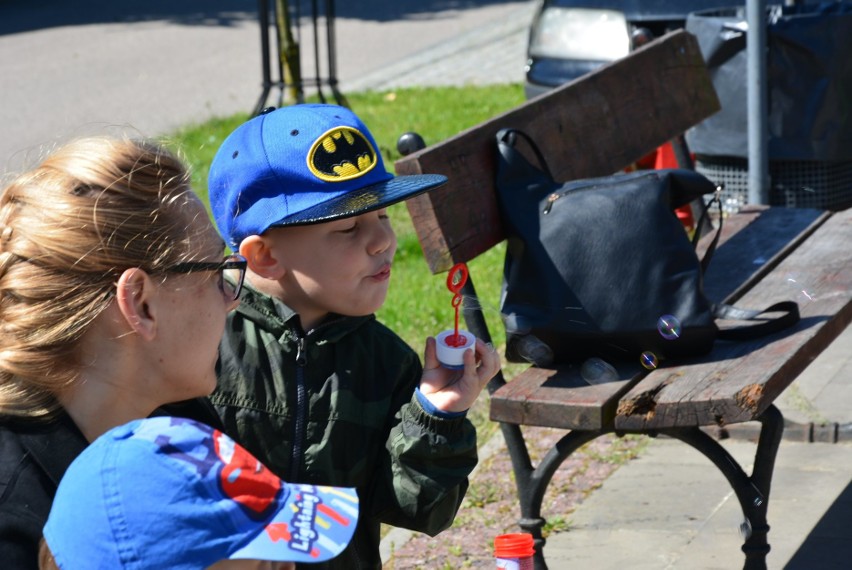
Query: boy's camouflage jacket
[[336, 406]]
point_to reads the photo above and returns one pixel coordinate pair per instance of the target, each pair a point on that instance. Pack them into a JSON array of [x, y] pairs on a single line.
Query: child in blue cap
[[309, 381], [168, 492]]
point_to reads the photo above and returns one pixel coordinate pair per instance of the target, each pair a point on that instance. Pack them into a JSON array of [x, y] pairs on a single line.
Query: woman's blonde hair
[[68, 228]]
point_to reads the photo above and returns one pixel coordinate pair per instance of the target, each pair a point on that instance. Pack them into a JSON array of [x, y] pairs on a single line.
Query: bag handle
[[705, 211], [506, 145], [769, 326]]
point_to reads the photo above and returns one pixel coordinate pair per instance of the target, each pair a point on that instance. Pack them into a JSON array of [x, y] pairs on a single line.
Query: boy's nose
[[383, 238]]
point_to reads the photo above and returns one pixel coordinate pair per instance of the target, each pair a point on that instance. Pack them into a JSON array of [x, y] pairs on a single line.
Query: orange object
[[666, 159], [514, 551]]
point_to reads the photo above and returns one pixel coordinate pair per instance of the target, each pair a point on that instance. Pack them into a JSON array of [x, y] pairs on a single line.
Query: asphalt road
[[146, 67]]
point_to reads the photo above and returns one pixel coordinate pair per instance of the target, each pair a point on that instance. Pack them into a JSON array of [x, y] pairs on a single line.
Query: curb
[[808, 432]]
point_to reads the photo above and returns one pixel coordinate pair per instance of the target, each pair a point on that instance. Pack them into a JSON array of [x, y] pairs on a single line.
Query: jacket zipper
[[300, 426], [301, 410]]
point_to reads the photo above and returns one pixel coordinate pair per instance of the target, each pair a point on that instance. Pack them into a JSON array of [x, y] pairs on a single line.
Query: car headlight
[[580, 33]]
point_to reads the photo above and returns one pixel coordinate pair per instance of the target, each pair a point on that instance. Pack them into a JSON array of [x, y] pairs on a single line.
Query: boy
[[168, 492], [309, 381]]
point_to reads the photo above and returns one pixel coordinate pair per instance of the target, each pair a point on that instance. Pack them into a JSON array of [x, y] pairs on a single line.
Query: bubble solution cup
[[451, 348], [514, 551]]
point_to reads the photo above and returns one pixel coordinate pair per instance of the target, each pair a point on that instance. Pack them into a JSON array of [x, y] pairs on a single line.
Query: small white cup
[[453, 356]]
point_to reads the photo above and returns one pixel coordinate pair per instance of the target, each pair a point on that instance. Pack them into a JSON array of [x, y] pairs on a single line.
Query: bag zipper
[[554, 196]]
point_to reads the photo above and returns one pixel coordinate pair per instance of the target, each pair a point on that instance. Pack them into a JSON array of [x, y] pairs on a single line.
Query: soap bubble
[[649, 360], [597, 371], [669, 327]]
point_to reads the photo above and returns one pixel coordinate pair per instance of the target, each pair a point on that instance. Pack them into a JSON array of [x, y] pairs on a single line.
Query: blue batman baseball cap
[[302, 164], [168, 492]]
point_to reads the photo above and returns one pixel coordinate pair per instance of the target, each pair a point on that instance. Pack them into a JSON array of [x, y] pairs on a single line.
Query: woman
[[112, 303]]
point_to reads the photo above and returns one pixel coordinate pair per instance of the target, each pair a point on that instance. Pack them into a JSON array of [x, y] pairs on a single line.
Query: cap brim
[[367, 199], [314, 524]]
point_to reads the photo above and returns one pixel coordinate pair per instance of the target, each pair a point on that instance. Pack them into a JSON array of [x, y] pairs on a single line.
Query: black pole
[[266, 85]]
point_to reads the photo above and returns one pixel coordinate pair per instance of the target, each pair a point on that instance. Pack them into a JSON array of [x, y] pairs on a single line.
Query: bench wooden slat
[[561, 398], [739, 380], [757, 248], [593, 126]]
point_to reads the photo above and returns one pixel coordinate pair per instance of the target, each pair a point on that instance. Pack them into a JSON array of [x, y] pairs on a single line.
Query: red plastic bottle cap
[[515, 545]]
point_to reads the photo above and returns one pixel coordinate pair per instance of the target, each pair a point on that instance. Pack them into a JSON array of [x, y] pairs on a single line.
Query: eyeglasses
[[232, 272]]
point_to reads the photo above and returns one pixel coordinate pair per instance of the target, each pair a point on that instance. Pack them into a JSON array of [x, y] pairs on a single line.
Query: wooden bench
[[595, 126]]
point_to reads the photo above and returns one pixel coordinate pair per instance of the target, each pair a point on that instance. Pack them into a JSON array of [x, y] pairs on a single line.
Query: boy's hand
[[456, 390]]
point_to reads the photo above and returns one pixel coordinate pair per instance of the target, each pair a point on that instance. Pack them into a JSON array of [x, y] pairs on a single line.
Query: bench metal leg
[[751, 491], [532, 482]]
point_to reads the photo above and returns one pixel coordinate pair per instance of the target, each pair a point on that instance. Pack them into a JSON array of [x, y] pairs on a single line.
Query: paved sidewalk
[[687, 516]]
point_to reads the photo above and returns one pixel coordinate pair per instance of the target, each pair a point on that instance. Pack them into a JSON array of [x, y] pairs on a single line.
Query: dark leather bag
[[592, 266]]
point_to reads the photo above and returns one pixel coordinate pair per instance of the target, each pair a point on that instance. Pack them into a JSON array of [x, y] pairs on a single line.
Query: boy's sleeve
[[430, 458]]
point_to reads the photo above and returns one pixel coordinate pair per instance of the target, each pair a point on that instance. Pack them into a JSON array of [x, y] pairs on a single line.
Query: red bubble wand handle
[[456, 280]]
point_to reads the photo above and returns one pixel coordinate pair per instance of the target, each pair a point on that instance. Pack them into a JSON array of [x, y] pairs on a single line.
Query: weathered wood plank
[[561, 398], [763, 238], [593, 126], [739, 380]]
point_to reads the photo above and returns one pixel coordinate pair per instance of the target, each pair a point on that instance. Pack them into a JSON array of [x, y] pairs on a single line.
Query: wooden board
[[762, 237], [593, 126], [561, 398], [739, 380]]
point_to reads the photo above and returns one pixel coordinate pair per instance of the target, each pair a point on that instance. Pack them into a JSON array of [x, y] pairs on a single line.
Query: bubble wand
[[454, 342], [456, 280]]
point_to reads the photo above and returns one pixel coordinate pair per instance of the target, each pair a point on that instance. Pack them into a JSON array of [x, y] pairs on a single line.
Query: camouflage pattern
[[336, 406]]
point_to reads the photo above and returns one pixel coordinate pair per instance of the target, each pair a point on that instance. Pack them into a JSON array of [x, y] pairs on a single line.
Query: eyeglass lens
[[232, 279]]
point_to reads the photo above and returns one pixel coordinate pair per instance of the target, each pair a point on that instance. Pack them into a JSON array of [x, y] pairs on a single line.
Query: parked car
[[569, 38]]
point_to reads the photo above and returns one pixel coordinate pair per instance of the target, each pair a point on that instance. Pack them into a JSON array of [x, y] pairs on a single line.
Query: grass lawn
[[418, 304]]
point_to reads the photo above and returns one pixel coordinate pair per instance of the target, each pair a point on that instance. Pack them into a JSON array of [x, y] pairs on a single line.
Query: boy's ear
[[261, 259], [136, 295]]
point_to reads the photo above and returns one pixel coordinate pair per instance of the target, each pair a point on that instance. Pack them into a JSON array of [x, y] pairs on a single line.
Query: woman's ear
[[135, 296], [261, 259]]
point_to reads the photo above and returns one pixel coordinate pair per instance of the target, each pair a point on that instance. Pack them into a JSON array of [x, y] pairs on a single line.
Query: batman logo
[[341, 154]]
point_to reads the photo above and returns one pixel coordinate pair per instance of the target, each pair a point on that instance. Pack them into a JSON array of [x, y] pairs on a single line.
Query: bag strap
[[506, 145], [725, 311], [765, 327], [705, 211]]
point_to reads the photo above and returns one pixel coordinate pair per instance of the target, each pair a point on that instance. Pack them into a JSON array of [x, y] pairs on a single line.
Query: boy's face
[[340, 267]]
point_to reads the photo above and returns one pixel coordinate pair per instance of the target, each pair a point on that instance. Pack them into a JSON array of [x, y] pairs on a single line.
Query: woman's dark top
[[33, 457]]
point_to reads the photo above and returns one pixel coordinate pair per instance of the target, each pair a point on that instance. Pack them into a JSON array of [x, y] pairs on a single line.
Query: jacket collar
[[278, 318], [53, 444]]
